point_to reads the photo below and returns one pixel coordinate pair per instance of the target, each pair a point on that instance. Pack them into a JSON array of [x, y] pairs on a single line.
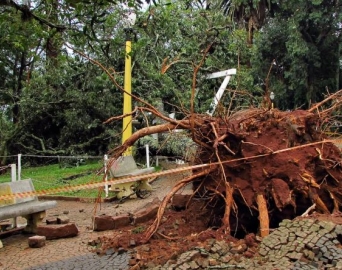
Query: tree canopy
[[55, 101]]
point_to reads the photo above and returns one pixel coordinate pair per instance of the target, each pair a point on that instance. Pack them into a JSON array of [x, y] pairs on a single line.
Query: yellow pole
[[127, 106]]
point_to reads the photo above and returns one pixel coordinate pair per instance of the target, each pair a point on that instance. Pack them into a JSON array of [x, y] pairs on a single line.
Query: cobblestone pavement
[[306, 244], [67, 253], [88, 262], [299, 244], [75, 253]]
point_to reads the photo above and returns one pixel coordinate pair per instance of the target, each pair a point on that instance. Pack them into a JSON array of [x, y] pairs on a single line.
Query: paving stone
[[63, 219], [314, 228], [324, 249], [290, 248], [283, 240], [310, 255], [285, 223], [324, 260], [339, 264], [294, 255], [299, 248], [263, 252], [301, 234], [36, 241], [327, 255], [291, 239], [213, 262], [330, 226], [338, 229], [310, 245], [332, 235], [193, 265]]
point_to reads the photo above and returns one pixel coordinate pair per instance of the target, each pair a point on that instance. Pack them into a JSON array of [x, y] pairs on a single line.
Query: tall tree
[[249, 14], [303, 39]]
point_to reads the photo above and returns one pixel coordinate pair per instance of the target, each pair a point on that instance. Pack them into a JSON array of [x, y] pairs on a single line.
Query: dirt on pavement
[[178, 232]]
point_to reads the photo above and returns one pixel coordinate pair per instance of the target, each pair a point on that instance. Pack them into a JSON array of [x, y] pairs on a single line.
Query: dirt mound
[[267, 158], [180, 231], [258, 167]]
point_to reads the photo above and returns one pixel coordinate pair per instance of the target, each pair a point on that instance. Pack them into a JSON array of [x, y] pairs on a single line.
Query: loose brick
[[63, 219], [36, 241], [57, 231]]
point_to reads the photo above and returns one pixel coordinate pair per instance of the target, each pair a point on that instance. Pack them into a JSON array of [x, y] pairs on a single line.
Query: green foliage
[[54, 101], [304, 42], [138, 229], [170, 43], [52, 176]]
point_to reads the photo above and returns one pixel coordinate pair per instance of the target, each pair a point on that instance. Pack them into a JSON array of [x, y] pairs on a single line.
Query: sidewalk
[[65, 253], [75, 253]]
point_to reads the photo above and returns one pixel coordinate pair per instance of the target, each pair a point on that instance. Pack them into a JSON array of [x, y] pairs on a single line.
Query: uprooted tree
[[258, 166], [262, 165]]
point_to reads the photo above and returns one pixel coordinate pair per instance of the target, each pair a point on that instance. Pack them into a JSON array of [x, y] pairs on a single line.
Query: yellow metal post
[[127, 106]]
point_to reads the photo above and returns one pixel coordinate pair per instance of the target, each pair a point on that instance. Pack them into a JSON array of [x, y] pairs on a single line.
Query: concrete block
[[51, 220], [147, 213], [105, 223], [36, 241], [63, 219], [57, 231]]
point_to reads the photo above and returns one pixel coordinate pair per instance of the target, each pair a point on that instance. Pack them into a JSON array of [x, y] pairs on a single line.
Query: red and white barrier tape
[[121, 180], [127, 179]]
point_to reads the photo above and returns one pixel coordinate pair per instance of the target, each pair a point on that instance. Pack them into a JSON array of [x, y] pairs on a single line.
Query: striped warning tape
[[127, 179], [121, 180]]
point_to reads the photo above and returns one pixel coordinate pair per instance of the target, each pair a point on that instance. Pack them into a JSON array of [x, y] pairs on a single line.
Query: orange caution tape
[[121, 180], [127, 179]]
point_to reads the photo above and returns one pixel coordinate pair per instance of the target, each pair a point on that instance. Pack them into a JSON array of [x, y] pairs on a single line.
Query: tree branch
[[27, 14]]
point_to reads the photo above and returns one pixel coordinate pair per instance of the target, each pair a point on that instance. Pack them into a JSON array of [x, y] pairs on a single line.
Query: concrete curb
[[76, 199]]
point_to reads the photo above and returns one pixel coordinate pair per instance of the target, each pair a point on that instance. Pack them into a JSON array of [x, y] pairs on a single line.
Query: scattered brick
[[36, 241]]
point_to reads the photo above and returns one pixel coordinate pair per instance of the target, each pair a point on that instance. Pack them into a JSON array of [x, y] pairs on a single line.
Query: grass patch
[[138, 229], [52, 176]]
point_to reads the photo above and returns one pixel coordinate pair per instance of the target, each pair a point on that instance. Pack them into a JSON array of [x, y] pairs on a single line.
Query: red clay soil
[[179, 232], [277, 155]]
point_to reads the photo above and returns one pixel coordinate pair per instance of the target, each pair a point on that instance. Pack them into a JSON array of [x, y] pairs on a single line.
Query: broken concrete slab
[[57, 231], [147, 213], [104, 222]]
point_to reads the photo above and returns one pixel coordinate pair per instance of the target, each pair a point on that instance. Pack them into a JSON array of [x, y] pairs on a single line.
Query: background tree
[[54, 101], [304, 40]]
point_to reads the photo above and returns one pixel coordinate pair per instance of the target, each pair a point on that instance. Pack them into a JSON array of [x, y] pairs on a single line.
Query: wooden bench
[[30, 208]]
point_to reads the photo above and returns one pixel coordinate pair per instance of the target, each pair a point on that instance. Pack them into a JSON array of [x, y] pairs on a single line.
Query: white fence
[[16, 168]]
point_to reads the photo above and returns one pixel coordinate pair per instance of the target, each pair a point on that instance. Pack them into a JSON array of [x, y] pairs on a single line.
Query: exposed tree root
[[154, 227], [270, 165], [263, 215]]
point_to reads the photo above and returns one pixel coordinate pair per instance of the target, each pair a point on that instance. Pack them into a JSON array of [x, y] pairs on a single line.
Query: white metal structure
[[227, 74]]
